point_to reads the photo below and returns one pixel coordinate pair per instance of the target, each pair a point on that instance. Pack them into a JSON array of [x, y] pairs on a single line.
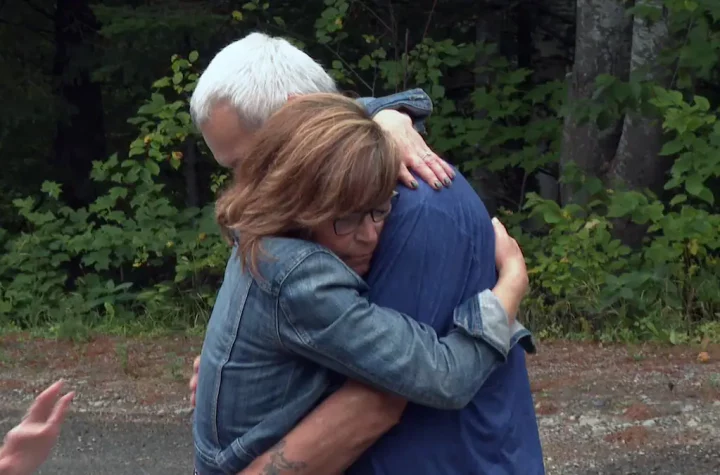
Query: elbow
[[453, 402], [385, 415], [388, 412], [453, 394]]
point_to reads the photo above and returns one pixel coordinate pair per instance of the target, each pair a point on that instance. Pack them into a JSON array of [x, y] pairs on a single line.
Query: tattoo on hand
[[280, 465]]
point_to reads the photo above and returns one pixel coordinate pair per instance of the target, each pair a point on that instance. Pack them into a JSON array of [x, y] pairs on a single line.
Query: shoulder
[[289, 263], [455, 210]]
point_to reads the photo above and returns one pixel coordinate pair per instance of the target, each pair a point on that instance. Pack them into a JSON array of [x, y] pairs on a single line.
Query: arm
[[348, 422], [334, 435], [322, 317]]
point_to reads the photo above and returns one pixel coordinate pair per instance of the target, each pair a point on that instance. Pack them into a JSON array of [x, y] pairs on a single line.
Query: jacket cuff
[[483, 317], [414, 102], [522, 336]]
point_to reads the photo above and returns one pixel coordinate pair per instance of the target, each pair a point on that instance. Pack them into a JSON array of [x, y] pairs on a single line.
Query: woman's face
[[353, 238]]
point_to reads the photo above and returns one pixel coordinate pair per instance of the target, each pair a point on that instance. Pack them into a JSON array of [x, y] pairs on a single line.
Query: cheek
[[340, 245], [325, 236], [379, 227]]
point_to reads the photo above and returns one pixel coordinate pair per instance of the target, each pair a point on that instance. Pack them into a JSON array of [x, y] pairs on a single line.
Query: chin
[[361, 269]]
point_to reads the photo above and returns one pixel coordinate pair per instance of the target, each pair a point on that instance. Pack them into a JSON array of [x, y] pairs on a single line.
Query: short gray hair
[[256, 75]]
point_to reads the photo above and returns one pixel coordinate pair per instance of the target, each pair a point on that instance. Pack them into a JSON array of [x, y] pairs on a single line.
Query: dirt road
[[601, 410]]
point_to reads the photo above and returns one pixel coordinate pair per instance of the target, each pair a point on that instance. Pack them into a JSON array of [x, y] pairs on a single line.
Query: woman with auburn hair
[[291, 318]]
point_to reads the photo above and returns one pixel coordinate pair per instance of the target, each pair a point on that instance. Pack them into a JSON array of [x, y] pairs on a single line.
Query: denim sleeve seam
[[307, 340], [282, 309]]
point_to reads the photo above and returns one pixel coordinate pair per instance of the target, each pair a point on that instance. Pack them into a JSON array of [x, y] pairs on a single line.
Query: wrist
[[514, 278], [510, 289]]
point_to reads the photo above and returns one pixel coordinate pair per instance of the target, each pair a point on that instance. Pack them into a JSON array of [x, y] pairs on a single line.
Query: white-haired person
[[437, 249], [28, 445], [250, 79]]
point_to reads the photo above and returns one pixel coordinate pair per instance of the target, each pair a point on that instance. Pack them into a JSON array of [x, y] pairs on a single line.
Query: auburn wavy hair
[[319, 158]]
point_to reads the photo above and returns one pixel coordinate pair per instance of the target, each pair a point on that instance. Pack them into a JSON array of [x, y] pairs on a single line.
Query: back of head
[[256, 75], [319, 158]]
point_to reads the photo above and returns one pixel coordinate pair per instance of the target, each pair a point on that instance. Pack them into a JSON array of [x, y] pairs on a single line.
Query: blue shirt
[[436, 250]]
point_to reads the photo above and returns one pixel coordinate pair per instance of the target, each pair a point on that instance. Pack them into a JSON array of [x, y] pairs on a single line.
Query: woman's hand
[[28, 444], [194, 380], [416, 155], [513, 281]]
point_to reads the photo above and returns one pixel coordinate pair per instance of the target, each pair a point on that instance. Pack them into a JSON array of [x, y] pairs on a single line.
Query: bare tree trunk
[[636, 161], [637, 164], [80, 137], [602, 46], [488, 29], [192, 192]]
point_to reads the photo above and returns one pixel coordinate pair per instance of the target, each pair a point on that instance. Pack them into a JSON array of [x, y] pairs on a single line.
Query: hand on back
[[415, 153]]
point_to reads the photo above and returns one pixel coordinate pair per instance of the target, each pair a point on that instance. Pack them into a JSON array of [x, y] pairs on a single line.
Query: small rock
[[649, 423], [589, 421]]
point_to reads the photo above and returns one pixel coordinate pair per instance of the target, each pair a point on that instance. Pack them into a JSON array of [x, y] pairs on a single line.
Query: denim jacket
[[275, 347], [414, 102]]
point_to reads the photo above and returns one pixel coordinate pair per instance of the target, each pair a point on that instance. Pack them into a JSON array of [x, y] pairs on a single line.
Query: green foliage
[[75, 267], [138, 254]]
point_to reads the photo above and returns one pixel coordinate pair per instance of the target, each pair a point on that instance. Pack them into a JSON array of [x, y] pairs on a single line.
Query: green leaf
[[237, 15], [193, 56], [51, 188], [177, 78], [673, 147], [162, 82], [702, 103], [153, 167], [677, 199], [437, 91], [707, 196], [694, 184]]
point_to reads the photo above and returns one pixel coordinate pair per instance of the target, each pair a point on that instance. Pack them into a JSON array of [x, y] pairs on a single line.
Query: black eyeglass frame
[[377, 215]]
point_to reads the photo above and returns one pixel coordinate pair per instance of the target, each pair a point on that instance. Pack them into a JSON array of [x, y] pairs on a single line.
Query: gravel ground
[[601, 409]]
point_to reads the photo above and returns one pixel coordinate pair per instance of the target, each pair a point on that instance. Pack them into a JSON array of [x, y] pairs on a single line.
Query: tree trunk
[[637, 164], [602, 46], [190, 166], [488, 29], [80, 137]]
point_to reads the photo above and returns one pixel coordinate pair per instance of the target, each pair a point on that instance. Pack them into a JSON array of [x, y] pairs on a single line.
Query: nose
[[367, 232]]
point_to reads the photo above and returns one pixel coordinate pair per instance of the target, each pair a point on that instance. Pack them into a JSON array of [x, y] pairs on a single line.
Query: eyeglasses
[[348, 224]]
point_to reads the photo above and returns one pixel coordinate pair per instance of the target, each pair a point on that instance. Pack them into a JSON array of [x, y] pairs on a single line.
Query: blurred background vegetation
[[590, 126]]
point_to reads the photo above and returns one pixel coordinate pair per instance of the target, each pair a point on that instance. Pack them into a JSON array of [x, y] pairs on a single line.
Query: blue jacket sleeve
[[414, 102], [322, 316]]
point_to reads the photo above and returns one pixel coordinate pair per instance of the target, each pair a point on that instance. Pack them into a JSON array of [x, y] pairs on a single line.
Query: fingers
[[42, 407], [448, 168], [406, 178], [60, 410], [430, 170], [499, 228], [194, 380], [193, 389]]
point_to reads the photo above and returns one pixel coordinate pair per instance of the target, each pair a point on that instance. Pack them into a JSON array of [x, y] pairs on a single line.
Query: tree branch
[[39, 10], [39, 31]]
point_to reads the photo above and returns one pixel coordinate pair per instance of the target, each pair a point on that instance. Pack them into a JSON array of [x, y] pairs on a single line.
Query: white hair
[[256, 75]]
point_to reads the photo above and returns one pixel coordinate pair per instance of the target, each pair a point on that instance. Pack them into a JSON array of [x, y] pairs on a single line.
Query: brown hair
[[320, 157]]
